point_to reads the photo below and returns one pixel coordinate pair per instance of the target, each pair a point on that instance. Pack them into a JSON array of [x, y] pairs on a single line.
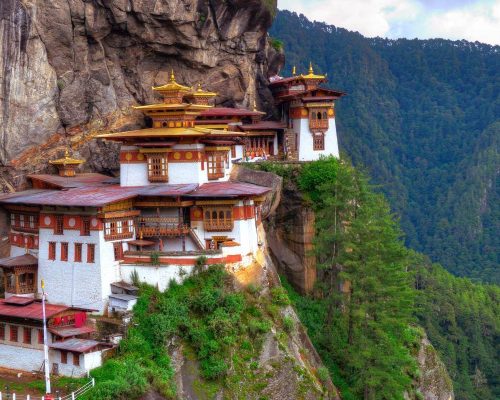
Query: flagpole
[[45, 343]]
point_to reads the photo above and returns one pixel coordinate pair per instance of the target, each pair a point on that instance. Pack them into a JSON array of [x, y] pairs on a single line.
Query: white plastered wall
[[157, 275], [79, 284], [305, 140]]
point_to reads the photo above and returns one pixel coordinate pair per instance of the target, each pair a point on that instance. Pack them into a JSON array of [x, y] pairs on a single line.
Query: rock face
[[289, 227], [434, 382], [70, 69]]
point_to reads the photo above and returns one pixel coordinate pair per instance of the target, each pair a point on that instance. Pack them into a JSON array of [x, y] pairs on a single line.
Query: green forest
[[423, 117], [368, 331]]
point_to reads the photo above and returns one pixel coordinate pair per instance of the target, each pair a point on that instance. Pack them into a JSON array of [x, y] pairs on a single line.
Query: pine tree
[[366, 281]]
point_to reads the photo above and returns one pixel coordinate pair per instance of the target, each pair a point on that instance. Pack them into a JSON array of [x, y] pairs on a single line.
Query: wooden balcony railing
[[318, 124], [212, 225], [22, 289], [26, 227], [161, 226]]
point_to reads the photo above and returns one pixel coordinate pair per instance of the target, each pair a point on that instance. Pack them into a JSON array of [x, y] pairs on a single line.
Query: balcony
[[318, 124], [216, 225], [161, 226]]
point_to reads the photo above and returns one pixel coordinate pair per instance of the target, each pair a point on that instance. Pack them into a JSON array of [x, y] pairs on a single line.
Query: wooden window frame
[[78, 252], [64, 357], [59, 225], [218, 218], [85, 227], [52, 251], [216, 164], [90, 253], [2, 331], [318, 141], [13, 333], [157, 167], [114, 228], [76, 359], [118, 251], [64, 251], [25, 222], [40, 336], [27, 335]]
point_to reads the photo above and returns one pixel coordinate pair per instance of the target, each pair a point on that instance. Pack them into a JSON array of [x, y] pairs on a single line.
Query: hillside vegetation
[[367, 330], [213, 337], [423, 117]]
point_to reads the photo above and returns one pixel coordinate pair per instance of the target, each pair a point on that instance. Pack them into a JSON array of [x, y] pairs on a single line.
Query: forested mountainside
[[366, 331], [423, 117]]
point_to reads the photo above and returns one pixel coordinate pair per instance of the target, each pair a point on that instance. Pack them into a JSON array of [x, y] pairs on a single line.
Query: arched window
[[313, 115], [324, 115], [319, 115]]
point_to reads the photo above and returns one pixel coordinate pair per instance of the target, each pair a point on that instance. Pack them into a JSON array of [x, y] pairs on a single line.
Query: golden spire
[[311, 70], [199, 88], [294, 70], [172, 76], [66, 165], [255, 105]]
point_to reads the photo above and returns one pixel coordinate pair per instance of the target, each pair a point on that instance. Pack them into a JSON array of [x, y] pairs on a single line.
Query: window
[[218, 218], [25, 223], [26, 335], [78, 252], [233, 151], [64, 357], [118, 229], [76, 359], [117, 248], [40, 336], [59, 228], [2, 331], [319, 141], [52, 250], [64, 251], [157, 167], [85, 231], [215, 164], [13, 333], [91, 253]]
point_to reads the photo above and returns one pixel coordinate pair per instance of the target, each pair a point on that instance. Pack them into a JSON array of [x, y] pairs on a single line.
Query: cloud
[[458, 19]]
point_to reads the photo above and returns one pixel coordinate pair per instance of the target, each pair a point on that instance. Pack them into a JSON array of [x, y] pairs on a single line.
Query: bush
[[323, 374], [288, 324], [279, 296]]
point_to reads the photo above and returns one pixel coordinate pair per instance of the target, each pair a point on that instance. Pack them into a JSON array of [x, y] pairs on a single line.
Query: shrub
[[288, 324], [323, 374], [279, 296]]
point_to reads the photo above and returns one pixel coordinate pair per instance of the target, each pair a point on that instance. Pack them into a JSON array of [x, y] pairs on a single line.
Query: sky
[[473, 20]]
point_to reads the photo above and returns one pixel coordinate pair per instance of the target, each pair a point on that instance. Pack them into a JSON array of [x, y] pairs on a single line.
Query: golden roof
[[311, 74], [200, 92], [167, 107], [66, 160], [172, 86]]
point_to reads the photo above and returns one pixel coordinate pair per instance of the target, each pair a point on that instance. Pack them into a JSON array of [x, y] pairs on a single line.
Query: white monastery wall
[[157, 275], [305, 140], [69, 282], [21, 358]]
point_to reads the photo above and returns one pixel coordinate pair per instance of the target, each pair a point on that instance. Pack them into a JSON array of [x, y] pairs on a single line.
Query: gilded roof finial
[[311, 70], [294, 70], [254, 105], [66, 153], [172, 76], [199, 88]]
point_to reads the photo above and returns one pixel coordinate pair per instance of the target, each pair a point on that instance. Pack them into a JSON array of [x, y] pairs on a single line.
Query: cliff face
[[434, 382], [70, 69]]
